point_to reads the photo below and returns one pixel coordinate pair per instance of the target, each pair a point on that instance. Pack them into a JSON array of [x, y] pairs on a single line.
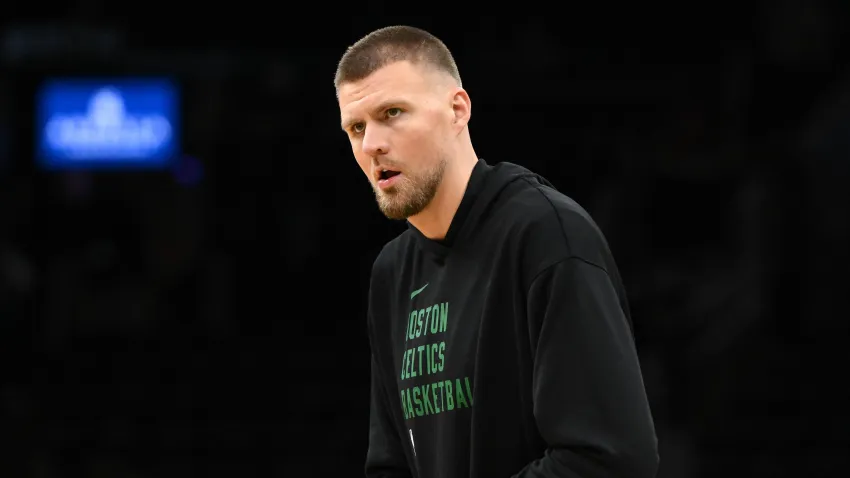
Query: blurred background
[[167, 316]]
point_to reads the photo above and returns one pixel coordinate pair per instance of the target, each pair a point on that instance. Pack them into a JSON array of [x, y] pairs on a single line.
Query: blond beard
[[411, 195]]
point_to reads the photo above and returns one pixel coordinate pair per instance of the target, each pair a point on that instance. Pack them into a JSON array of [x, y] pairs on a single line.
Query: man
[[499, 329]]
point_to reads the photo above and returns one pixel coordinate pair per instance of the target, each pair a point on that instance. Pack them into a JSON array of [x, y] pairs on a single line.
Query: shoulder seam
[[563, 260], [536, 187], [570, 256]]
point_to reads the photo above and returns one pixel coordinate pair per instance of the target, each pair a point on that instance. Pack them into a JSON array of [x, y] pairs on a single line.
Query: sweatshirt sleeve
[[590, 405], [385, 456]]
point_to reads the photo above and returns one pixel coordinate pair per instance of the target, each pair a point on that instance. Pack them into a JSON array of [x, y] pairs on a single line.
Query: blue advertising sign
[[107, 124]]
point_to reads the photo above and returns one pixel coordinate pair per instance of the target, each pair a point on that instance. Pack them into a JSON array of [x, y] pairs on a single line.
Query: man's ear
[[461, 108]]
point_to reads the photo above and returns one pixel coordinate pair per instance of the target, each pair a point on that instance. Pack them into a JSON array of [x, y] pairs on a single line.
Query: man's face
[[398, 121]]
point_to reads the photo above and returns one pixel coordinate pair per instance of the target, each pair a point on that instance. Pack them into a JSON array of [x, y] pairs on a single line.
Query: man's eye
[[358, 128], [393, 112]]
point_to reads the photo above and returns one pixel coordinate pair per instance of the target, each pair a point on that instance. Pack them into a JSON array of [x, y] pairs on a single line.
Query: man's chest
[[435, 334], [433, 340]]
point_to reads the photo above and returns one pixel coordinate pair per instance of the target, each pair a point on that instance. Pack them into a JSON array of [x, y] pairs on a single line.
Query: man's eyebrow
[[346, 123]]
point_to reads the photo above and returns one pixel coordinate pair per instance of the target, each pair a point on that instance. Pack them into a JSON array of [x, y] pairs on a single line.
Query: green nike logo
[[417, 291]]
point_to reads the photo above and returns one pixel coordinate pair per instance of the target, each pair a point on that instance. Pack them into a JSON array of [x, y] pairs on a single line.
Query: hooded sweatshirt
[[505, 349]]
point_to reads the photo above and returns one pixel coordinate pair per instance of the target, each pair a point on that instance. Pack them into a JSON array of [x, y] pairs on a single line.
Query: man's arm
[[589, 399], [385, 457]]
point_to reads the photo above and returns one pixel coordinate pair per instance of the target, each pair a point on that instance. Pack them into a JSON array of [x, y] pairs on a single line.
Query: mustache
[[386, 163]]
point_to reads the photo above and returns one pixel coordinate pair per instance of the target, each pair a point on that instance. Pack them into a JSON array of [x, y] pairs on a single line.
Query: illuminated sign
[[128, 123]]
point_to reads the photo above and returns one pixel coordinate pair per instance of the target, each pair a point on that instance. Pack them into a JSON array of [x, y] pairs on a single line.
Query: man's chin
[[402, 201], [397, 209], [394, 216], [393, 210]]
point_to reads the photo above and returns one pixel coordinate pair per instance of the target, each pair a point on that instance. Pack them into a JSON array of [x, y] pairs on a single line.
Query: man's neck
[[434, 221]]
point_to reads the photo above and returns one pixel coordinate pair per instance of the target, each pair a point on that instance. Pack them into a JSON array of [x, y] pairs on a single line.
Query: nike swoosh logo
[[417, 291]]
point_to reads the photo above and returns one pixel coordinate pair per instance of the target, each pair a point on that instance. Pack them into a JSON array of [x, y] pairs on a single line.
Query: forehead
[[399, 80]]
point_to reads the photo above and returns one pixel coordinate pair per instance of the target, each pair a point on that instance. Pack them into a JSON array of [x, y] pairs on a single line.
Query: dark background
[[156, 327]]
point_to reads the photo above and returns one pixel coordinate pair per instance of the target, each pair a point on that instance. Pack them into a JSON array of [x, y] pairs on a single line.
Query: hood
[[485, 185]]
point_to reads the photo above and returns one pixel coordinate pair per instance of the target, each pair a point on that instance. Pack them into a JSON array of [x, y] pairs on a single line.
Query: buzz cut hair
[[390, 45]]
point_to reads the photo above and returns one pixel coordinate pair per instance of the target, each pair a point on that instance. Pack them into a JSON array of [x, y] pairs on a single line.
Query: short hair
[[392, 44]]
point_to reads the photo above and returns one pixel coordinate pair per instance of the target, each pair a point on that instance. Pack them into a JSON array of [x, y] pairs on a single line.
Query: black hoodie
[[506, 349]]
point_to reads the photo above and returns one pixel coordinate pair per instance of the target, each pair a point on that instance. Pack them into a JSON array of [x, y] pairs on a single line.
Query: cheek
[[365, 164], [422, 142]]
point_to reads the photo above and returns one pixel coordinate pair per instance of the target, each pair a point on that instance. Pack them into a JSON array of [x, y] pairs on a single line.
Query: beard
[[412, 194]]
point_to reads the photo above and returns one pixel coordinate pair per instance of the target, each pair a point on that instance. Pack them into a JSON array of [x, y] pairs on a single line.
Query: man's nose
[[375, 141]]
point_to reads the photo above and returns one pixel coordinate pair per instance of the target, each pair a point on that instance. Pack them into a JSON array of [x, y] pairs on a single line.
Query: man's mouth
[[387, 178], [387, 174]]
